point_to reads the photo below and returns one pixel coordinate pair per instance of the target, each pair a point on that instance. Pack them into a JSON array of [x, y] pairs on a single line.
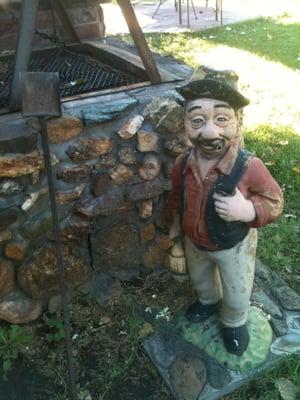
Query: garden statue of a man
[[221, 194]]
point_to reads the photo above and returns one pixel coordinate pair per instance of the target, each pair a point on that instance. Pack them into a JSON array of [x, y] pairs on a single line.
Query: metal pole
[[62, 278], [23, 52], [139, 40]]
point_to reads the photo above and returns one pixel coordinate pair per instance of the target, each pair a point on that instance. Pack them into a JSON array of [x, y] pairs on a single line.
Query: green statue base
[[207, 337]]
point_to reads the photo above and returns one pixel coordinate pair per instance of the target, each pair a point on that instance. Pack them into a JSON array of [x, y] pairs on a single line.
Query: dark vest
[[225, 235]]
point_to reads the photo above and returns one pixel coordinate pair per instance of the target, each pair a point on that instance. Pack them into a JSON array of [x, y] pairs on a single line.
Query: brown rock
[[107, 160], [188, 377], [168, 168], [150, 169], [165, 114], [121, 174], [73, 229], [40, 277], [17, 308], [154, 257], [147, 233], [100, 184], [164, 242], [89, 148], [163, 218], [108, 203], [145, 190], [8, 216], [75, 172], [126, 156], [5, 235], [16, 250], [7, 277], [64, 128], [14, 165], [147, 141], [69, 195], [145, 209], [130, 128], [176, 146]]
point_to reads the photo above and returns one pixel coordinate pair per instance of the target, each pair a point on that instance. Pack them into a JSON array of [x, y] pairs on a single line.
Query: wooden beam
[[65, 20], [139, 40]]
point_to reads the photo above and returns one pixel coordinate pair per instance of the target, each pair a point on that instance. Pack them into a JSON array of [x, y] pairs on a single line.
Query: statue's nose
[[210, 131]]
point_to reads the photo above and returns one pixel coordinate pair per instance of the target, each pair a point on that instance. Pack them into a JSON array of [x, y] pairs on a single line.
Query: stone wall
[[86, 16], [112, 157]]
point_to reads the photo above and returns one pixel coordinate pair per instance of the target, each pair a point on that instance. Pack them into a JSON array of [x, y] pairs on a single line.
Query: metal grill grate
[[78, 73]]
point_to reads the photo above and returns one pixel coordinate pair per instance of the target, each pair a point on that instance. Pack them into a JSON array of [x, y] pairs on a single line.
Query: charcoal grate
[[78, 73]]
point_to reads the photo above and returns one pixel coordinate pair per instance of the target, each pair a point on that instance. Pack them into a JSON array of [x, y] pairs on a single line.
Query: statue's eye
[[222, 120], [198, 121]]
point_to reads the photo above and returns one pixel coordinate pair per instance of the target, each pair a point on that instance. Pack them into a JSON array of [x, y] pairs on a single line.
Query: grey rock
[[146, 190], [10, 187], [279, 326], [8, 216], [268, 304], [17, 308], [104, 112], [17, 137], [218, 376], [288, 299], [287, 344], [37, 226], [262, 271]]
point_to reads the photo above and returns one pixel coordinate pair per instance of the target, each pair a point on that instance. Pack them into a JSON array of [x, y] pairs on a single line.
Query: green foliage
[[12, 339], [56, 329]]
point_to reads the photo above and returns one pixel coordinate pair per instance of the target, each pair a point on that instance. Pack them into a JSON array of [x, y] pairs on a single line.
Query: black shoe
[[236, 340], [199, 312]]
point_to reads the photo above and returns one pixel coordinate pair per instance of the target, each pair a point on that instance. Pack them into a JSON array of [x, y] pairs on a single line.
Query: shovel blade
[[40, 94]]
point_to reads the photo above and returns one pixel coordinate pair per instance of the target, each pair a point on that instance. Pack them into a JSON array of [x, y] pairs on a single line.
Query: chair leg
[[195, 14], [158, 7]]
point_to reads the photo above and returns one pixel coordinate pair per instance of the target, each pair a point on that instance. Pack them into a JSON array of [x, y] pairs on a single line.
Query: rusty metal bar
[[65, 20], [25, 37], [139, 40]]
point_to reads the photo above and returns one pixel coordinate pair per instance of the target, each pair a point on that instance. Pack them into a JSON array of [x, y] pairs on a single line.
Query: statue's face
[[210, 125]]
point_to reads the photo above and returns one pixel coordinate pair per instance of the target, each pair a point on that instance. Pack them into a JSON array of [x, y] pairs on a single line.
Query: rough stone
[[165, 114], [32, 198], [17, 137], [37, 226], [146, 190], [16, 250], [107, 203], [14, 165], [218, 376], [67, 196], [17, 308], [164, 242], [8, 216], [117, 248], [130, 128], [121, 174], [7, 277], [74, 173], [188, 377], [64, 128], [100, 184], [40, 277], [89, 148], [176, 146], [103, 112], [5, 235], [107, 160], [150, 169], [268, 304], [163, 218], [279, 326], [145, 209], [147, 233], [10, 187], [262, 271], [288, 299], [73, 229], [154, 257], [147, 141], [126, 156]]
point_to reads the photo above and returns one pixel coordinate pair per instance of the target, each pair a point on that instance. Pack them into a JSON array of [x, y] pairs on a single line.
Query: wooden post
[[139, 40]]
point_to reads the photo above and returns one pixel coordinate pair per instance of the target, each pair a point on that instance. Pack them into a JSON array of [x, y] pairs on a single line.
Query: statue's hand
[[234, 208]]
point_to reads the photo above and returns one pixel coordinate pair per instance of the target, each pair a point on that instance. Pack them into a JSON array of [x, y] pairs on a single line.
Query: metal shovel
[[40, 98]]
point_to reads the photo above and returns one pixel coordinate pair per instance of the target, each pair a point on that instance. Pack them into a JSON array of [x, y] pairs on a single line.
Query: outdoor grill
[[78, 72]]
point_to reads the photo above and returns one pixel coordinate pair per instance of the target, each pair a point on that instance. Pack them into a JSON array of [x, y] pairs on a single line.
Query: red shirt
[[256, 184]]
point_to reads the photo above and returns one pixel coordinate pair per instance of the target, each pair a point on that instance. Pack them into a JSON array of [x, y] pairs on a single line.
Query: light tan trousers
[[226, 275]]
